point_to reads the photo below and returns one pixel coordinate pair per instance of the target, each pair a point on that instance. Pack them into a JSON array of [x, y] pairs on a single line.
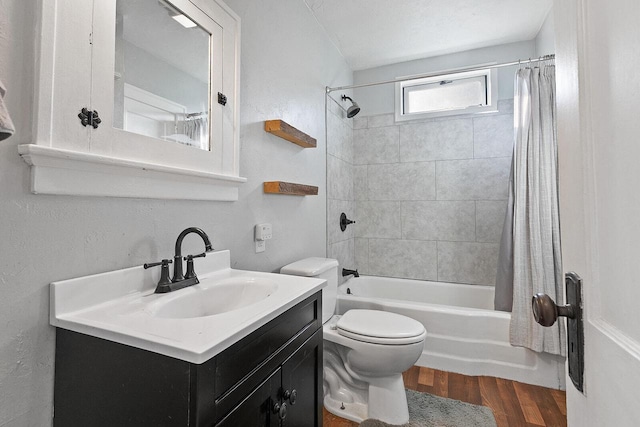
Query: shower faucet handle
[[344, 221]]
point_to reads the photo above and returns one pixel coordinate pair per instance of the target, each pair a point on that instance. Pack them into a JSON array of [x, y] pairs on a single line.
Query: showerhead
[[354, 109]]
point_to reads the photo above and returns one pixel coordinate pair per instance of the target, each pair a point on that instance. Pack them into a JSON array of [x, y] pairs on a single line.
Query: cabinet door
[[257, 409], [302, 384]]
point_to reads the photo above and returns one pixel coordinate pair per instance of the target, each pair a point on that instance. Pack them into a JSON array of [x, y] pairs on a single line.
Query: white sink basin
[[222, 297], [191, 324]]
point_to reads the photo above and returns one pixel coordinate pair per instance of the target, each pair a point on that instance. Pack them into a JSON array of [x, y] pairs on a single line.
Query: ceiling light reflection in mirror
[[161, 79]]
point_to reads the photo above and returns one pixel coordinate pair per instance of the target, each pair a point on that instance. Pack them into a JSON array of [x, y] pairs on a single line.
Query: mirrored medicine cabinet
[[137, 98]]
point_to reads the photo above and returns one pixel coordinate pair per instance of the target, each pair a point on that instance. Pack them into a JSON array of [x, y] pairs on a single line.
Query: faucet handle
[[191, 273], [165, 280], [190, 257], [155, 264]]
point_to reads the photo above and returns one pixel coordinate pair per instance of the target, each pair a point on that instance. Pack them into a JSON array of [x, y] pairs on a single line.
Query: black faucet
[[177, 258], [179, 280], [346, 272]]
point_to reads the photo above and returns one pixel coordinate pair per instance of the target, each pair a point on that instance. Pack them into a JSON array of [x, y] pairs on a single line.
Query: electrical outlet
[[263, 232]]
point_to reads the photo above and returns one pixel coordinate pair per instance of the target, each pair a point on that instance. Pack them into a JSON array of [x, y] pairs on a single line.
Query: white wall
[[286, 63], [380, 99], [546, 40]]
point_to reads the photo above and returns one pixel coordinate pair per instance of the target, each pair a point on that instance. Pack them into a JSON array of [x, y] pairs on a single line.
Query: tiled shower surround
[[340, 196], [431, 195]]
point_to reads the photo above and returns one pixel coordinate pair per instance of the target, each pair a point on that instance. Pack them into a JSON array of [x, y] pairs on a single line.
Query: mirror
[[162, 73]]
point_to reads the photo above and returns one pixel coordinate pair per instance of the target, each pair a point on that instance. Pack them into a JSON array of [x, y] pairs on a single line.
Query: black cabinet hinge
[[89, 118], [222, 99]]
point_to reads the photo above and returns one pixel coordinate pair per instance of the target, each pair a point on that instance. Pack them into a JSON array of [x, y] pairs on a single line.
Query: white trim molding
[[66, 172]]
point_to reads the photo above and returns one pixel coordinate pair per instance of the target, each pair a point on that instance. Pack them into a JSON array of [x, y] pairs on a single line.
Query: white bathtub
[[464, 333]]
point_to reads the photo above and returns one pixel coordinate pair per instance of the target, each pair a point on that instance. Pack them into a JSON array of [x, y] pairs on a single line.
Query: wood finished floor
[[513, 404]]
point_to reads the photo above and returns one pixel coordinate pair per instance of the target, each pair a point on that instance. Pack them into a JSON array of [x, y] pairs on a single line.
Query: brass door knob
[[546, 312]]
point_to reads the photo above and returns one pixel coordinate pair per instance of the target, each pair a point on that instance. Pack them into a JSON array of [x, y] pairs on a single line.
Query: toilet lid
[[380, 327]]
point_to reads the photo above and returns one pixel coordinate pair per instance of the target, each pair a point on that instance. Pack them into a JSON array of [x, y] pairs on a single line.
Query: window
[[456, 93]]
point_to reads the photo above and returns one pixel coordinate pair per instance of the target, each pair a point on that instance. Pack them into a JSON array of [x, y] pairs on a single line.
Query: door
[[598, 98], [302, 384], [257, 409]]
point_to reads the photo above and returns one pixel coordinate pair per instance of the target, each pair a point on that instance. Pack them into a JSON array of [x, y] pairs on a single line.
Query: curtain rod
[[443, 73]]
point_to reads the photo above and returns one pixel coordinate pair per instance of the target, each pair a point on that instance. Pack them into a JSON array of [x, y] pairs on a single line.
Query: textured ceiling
[[370, 33]]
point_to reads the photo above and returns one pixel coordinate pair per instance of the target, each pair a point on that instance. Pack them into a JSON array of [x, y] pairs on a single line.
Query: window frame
[[409, 81]]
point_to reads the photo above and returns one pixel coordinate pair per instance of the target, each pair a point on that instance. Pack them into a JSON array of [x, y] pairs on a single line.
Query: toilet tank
[[320, 268]]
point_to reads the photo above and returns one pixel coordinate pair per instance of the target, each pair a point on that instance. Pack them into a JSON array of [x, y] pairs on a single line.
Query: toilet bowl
[[365, 353]]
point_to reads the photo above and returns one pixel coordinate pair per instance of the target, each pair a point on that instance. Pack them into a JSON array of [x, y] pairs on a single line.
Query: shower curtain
[[530, 260], [196, 130]]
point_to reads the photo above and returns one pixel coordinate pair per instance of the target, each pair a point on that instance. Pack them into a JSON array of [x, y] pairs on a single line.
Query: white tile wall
[[468, 262], [436, 140], [345, 254], [378, 219], [360, 182], [381, 121], [340, 138], [411, 259], [343, 178], [430, 196], [475, 179], [439, 220], [362, 255], [340, 186], [376, 145], [490, 216], [402, 181], [493, 136], [360, 122]]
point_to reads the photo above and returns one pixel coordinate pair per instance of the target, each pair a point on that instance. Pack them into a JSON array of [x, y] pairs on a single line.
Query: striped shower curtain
[[197, 130], [532, 235]]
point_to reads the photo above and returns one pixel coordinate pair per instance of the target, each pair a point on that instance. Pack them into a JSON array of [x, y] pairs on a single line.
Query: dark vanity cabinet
[[272, 377]]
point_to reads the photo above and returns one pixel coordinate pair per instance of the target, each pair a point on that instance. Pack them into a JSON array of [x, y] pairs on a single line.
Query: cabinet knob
[[279, 409], [291, 396]]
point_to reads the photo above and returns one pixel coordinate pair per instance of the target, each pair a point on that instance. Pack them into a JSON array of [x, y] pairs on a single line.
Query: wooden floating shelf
[[281, 187], [288, 132]]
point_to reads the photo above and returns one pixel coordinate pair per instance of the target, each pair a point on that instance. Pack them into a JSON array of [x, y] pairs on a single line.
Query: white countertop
[[120, 306]]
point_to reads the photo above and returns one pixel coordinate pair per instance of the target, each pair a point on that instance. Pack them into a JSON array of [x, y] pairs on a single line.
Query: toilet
[[365, 352]]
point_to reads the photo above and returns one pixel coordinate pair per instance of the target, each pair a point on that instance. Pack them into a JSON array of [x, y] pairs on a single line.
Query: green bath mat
[[427, 410]]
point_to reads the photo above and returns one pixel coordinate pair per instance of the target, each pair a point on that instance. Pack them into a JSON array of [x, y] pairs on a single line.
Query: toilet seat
[[380, 327]]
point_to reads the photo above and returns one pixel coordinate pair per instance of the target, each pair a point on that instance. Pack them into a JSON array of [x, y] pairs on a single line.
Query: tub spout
[[347, 272]]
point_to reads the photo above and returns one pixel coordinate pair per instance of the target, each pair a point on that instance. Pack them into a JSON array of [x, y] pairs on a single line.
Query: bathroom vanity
[[134, 358]]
